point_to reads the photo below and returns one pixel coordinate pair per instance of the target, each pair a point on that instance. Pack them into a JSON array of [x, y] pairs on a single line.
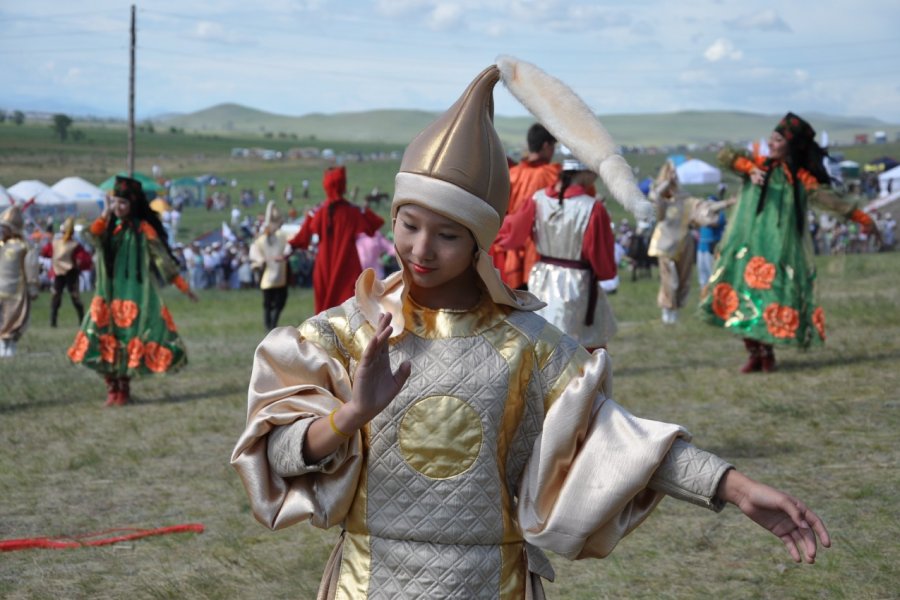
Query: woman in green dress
[[128, 331], [763, 283]]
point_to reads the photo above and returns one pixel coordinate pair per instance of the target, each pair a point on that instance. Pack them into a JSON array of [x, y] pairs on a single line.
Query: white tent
[[28, 189], [889, 182], [47, 203], [88, 198], [697, 172]]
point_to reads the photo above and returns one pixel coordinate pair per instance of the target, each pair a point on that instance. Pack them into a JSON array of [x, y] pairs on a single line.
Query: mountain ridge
[[398, 126]]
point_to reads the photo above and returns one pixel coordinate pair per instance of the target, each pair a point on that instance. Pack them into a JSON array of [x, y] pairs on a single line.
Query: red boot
[[767, 358], [754, 362], [124, 391], [112, 391]]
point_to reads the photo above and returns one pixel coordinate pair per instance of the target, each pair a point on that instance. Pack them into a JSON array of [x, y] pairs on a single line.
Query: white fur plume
[[572, 123]]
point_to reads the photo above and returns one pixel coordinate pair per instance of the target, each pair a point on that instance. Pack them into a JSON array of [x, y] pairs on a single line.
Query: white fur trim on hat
[[450, 201], [572, 123]]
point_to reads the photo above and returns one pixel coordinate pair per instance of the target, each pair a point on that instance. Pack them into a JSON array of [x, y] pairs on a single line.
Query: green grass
[[823, 427]]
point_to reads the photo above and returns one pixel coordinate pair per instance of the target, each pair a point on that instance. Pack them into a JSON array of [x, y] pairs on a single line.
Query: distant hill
[[399, 126]]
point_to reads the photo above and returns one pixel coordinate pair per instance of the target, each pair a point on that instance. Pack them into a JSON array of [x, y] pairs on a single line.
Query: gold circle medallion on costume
[[440, 436]]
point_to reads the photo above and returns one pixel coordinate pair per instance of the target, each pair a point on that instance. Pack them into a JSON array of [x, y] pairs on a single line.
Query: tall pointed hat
[[273, 219], [457, 168], [12, 218]]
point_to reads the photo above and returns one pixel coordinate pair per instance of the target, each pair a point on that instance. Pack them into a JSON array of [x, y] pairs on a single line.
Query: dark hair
[[565, 180], [538, 136], [140, 211], [802, 153]]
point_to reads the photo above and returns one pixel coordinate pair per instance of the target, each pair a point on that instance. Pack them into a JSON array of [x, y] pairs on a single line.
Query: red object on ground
[[94, 539]]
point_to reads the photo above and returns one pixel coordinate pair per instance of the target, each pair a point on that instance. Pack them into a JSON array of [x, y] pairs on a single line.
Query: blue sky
[[301, 57]]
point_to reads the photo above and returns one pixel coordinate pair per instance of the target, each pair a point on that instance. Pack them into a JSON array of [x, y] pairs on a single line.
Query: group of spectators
[[832, 236]]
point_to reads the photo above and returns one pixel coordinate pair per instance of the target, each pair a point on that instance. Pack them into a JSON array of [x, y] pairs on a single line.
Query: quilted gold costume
[[503, 443]]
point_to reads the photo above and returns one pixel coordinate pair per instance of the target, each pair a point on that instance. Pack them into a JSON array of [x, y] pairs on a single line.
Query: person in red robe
[[337, 222], [534, 173]]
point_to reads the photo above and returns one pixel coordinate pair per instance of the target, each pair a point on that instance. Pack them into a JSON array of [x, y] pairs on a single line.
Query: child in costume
[[268, 254], [337, 223], [128, 331], [66, 256], [672, 243], [18, 280], [452, 433], [572, 233], [763, 283]]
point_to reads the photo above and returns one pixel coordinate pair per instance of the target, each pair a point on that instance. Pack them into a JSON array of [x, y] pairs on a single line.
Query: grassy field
[[824, 427]]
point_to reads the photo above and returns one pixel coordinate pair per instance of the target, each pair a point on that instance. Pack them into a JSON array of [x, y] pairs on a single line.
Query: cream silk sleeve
[[295, 379], [585, 485]]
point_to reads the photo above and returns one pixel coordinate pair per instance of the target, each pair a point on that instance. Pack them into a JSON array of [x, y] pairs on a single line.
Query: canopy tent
[[849, 169], [696, 172], [87, 197], [677, 159], [47, 203], [889, 182], [151, 188], [187, 191]]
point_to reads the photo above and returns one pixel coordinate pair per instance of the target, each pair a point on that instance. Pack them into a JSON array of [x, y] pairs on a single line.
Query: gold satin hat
[[12, 218], [457, 165], [273, 217]]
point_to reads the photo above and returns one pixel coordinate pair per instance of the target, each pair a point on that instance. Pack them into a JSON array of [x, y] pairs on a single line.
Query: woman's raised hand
[[375, 384]]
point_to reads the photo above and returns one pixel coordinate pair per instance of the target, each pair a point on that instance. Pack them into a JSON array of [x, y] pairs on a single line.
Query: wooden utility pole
[[131, 102]]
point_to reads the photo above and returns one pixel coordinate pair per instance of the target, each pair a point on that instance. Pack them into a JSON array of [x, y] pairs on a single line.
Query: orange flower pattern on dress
[[157, 357], [724, 301], [167, 317], [124, 312], [135, 353], [818, 319], [108, 348], [781, 321], [759, 273], [99, 312], [79, 347]]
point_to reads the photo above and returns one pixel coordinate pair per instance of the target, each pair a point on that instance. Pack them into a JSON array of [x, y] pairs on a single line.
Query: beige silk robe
[[268, 253], [504, 442], [18, 285]]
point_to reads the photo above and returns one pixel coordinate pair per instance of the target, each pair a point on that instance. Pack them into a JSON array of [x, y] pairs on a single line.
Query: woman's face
[[121, 207], [777, 146], [437, 252]]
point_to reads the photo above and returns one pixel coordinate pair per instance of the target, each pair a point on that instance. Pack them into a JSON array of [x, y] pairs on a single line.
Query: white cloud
[[445, 16], [722, 49], [767, 20]]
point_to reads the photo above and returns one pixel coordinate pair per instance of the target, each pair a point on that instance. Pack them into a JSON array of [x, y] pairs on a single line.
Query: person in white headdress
[[573, 235], [268, 255], [18, 280], [448, 430]]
